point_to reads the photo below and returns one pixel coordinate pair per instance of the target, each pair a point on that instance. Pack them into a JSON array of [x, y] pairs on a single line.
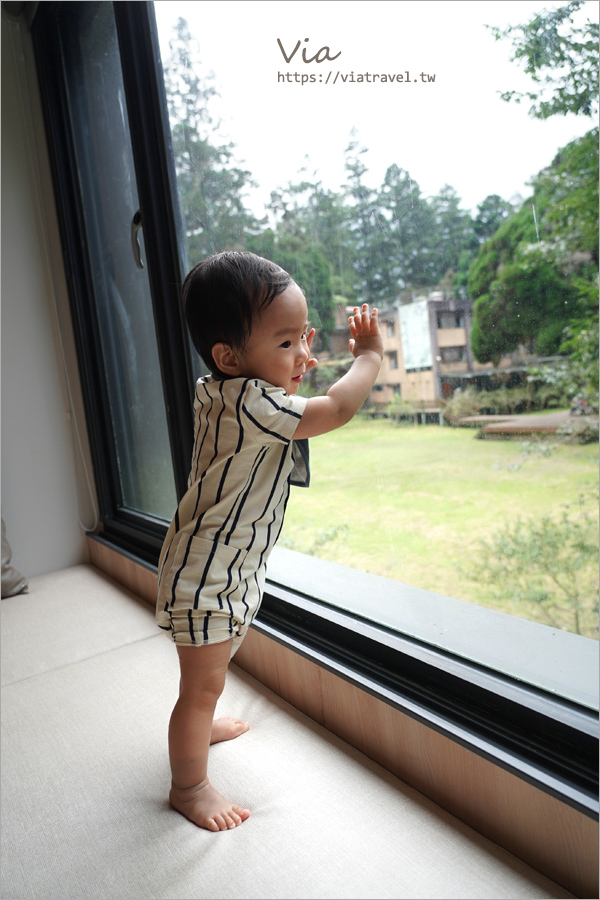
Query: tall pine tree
[[211, 186]]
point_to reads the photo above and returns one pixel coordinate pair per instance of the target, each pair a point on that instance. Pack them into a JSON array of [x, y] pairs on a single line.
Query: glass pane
[[377, 165], [123, 304]]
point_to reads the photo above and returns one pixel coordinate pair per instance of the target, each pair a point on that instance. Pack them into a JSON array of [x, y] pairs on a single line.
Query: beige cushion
[[85, 778], [68, 616]]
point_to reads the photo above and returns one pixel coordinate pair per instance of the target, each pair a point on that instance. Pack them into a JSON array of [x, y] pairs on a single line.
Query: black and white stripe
[[213, 558]]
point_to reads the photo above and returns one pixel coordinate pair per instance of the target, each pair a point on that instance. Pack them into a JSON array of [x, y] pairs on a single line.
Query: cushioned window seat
[[88, 686]]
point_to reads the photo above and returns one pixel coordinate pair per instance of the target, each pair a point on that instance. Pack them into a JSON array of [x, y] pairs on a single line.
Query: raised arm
[[346, 396]]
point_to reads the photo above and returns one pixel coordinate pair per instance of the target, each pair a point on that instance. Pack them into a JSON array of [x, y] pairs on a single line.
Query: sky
[[455, 130]]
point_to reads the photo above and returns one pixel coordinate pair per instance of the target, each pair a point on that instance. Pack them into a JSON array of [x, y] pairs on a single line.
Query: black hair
[[223, 296]]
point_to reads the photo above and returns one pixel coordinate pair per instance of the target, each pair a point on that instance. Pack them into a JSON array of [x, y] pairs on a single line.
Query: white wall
[[41, 462]]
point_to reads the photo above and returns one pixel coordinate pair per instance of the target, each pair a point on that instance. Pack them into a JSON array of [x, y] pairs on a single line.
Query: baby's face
[[277, 350]]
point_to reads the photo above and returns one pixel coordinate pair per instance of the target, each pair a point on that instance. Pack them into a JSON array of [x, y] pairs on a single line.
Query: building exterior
[[427, 353]]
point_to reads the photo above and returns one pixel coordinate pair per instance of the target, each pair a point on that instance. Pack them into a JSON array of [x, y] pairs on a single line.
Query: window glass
[[121, 292], [377, 162]]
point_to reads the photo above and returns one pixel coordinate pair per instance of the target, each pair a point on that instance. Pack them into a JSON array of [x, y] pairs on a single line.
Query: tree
[[331, 230], [306, 242], [308, 266], [573, 244], [525, 305], [577, 374], [571, 219], [400, 239], [211, 188], [406, 222], [307, 210], [367, 228], [377, 241], [453, 232], [533, 278], [561, 58], [491, 212]]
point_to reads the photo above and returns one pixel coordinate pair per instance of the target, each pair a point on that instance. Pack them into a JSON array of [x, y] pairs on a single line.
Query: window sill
[[476, 680], [547, 658]]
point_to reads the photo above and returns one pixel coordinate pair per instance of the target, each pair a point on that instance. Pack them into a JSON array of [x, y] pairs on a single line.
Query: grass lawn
[[411, 502]]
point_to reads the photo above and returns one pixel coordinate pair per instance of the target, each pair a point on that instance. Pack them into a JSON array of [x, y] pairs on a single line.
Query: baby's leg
[[203, 671], [225, 728]]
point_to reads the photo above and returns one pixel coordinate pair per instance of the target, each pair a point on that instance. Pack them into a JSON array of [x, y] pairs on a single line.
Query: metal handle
[[136, 224]]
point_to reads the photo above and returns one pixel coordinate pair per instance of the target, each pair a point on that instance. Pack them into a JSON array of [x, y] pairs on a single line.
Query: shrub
[[578, 431], [539, 563], [508, 401], [321, 377], [400, 409], [505, 401], [463, 403]]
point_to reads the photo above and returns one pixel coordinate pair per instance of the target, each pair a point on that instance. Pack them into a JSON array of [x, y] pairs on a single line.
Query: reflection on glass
[[489, 314], [121, 291]]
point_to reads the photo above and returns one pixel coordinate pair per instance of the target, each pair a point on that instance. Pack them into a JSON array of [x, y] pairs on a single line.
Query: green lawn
[[410, 503]]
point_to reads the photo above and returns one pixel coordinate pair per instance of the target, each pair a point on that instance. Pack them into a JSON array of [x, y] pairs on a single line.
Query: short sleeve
[[271, 414]]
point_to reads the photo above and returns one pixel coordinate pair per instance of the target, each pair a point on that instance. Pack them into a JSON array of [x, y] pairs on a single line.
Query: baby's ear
[[225, 359]]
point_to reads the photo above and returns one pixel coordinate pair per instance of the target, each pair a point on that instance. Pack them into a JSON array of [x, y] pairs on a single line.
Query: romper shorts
[[209, 592]]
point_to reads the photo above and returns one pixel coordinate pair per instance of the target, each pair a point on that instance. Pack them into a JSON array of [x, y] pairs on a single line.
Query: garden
[[511, 525]]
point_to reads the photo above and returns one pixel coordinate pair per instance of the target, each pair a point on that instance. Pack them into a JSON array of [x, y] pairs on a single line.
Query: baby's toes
[[241, 812], [221, 820]]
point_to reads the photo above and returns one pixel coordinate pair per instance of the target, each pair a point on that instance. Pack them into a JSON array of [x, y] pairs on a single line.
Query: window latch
[[136, 224]]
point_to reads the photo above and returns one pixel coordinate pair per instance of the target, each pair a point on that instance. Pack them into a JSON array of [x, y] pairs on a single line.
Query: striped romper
[[212, 564]]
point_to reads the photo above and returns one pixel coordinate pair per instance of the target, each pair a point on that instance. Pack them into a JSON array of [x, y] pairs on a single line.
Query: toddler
[[248, 321]]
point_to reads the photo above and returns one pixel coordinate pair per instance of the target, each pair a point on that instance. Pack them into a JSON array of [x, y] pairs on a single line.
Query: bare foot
[[226, 728], [203, 805]]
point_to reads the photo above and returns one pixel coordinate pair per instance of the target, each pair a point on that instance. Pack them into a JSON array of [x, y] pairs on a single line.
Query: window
[[450, 320], [121, 307], [167, 188], [121, 227], [307, 229], [453, 354]]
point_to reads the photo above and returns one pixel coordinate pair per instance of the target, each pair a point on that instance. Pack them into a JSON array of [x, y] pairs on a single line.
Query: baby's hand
[[364, 331]]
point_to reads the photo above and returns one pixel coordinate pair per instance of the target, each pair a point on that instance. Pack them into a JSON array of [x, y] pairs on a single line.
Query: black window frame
[[548, 741], [162, 226]]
